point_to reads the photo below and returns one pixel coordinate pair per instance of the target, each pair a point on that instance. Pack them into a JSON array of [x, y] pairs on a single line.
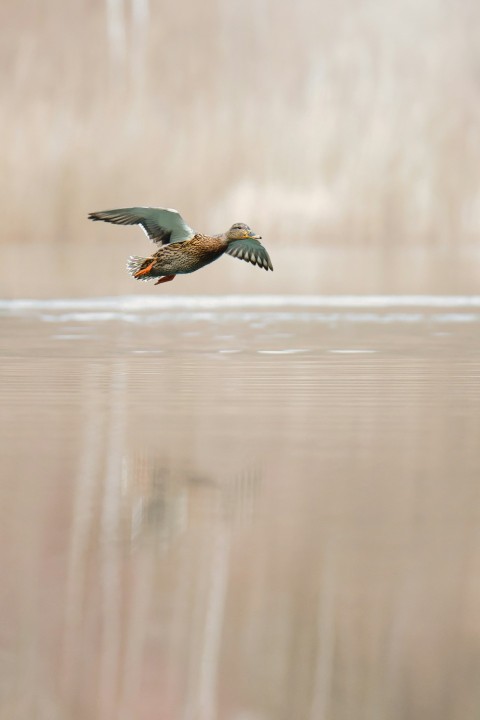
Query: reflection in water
[[201, 523]]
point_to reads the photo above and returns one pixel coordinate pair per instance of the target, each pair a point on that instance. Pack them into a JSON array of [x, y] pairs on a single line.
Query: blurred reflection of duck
[[183, 250]]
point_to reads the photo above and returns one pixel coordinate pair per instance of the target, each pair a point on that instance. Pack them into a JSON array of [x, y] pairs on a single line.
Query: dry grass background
[[333, 123]]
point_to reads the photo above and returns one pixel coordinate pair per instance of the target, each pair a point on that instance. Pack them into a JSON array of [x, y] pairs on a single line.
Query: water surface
[[257, 508]]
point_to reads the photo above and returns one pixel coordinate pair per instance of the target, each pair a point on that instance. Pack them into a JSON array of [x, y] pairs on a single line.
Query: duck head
[[240, 231]]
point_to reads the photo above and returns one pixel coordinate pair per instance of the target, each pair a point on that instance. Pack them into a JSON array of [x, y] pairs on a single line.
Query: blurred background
[[241, 496], [346, 133]]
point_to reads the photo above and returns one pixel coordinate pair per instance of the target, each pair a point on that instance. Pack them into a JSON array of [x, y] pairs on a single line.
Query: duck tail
[[140, 267]]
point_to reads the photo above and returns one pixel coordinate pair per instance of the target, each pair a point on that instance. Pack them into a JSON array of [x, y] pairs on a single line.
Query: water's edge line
[[145, 303]]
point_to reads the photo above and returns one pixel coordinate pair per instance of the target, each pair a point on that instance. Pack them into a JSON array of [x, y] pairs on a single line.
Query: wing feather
[[161, 225], [251, 251]]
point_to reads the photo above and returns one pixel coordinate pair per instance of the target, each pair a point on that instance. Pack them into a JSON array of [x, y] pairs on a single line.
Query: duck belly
[[188, 263]]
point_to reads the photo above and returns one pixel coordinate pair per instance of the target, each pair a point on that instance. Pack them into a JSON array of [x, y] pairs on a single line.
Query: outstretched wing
[[162, 225], [252, 251]]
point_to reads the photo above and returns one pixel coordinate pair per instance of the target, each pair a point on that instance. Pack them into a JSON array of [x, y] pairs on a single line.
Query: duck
[[181, 249]]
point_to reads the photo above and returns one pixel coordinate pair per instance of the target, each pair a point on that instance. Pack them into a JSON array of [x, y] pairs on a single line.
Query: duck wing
[[252, 251], [161, 225]]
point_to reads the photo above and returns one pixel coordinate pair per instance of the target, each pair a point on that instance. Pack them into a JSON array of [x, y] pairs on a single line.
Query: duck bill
[[255, 237]]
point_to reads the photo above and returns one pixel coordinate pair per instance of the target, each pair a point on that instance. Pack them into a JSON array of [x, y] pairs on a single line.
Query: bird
[[181, 249]]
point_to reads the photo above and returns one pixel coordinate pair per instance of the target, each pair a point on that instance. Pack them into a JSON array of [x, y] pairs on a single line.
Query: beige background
[[332, 126]]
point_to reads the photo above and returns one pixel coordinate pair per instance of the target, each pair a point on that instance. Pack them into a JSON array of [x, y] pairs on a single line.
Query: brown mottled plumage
[[183, 251], [181, 257]]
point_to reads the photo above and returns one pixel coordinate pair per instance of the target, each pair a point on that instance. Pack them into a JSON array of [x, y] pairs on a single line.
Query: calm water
[[240, 509]]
